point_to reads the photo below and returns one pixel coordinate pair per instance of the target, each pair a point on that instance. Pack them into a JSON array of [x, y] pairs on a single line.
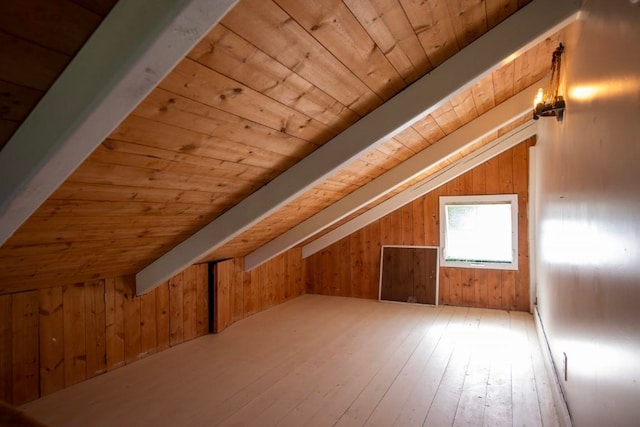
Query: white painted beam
[[423, 187], [468, 134], [507, 40], [135, 46]]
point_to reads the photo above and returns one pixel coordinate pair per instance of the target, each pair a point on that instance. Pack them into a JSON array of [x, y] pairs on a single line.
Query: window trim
[[512, 199]]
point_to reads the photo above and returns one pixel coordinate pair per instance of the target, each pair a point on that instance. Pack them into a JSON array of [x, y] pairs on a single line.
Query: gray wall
[[588, 218]]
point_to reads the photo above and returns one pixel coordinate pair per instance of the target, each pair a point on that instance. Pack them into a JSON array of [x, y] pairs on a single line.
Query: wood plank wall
[[351, 267], [56, 337], [240, 294]]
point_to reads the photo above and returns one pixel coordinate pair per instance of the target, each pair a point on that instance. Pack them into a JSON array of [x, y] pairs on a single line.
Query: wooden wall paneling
[[223, 273], [407, 224], [202, 299], [288, 275], [95, 327], [397, 235], [269, 284], [189, 303], [239, 277], [297, 272], [431, 218], [331, 264], [163, 316], [6, 317], [51, 332], [148, 329], [444, 286], [468, 287], [521, 187], [311, 274], [252, 292], [372, 260], [114, 314], [418, 222], [330, 282], [75, 347], [281, 279], [343, 247], [356, 255], [25, 371], [386, 231], [131, 312], [176, 305], [456, 277]]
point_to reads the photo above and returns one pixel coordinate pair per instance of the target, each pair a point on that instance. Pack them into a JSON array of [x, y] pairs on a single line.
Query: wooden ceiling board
[[291, 45], [239, 60], [267, 86], [389, 27], [58, 25], [38, 38], [333, 25]]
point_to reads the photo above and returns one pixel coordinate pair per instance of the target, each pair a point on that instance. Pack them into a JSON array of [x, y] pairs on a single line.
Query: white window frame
[[511, 199]]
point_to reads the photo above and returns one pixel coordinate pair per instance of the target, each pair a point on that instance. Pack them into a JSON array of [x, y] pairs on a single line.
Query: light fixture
[[549, 103]]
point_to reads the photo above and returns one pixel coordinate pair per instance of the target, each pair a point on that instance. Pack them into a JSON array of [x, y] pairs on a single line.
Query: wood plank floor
[[325, 361]]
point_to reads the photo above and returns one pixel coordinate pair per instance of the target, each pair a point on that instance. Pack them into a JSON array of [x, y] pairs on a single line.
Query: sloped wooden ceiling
[[38, 38], [266, 87]]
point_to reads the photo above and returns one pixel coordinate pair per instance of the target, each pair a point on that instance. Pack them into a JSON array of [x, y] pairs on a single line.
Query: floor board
[[325, 361]]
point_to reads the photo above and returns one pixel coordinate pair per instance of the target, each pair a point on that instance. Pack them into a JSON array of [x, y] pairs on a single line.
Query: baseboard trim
[[559, 401]]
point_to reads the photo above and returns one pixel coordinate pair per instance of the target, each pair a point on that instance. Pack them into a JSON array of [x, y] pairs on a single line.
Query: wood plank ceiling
[[267, 86]]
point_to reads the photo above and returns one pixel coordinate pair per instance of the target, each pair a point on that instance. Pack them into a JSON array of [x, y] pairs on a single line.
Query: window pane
[[479, 233]]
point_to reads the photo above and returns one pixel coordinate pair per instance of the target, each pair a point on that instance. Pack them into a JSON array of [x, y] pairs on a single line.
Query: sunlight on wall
[[577, 242], [604, 89]]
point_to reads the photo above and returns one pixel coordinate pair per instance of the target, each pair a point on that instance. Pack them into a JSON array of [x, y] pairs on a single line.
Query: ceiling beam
[[131, 51], [507, 40], [425, 186], [468, 134]]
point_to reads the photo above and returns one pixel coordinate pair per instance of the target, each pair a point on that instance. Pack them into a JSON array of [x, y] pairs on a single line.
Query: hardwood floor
[[324, 361]]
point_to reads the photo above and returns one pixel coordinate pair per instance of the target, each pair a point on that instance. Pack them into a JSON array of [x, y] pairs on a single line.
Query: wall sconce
[[549, 103]]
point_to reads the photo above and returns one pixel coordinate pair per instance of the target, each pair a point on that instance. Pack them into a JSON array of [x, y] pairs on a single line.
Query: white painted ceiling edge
[[423, 187], [128, 55], [519, 32], [467, 135]]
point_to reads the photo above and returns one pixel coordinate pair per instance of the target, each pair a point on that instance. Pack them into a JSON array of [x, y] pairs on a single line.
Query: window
[[479, 231]]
